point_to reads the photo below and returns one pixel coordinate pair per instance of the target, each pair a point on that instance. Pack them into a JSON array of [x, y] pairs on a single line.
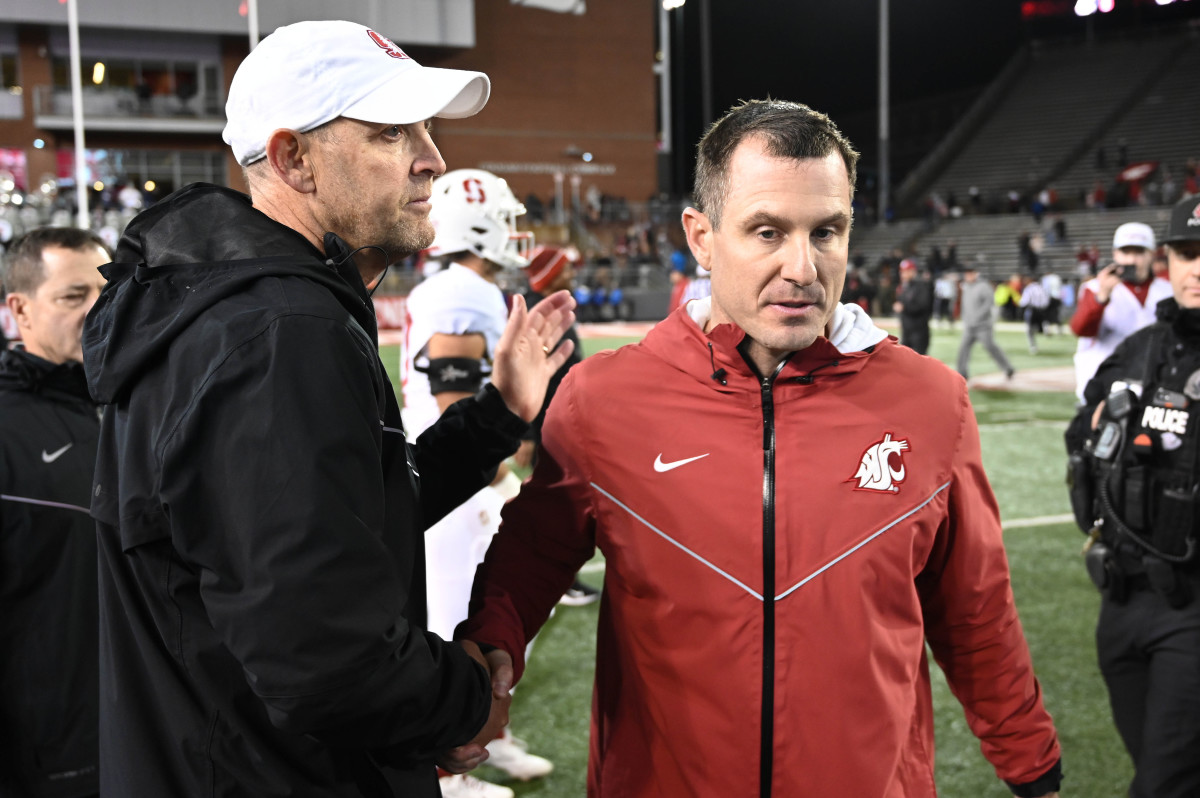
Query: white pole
[[81, 196], [885, 176], [252, 20]]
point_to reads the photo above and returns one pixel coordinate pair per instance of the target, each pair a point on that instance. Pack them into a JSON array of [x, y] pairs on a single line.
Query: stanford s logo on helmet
[[473, 189], [475, 211], [387, 44]]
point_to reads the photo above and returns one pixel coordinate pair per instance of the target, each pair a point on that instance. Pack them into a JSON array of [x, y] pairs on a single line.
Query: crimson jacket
[[779, 551]]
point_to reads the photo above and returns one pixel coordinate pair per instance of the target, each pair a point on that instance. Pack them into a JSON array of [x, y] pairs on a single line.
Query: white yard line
[[1041, 520]]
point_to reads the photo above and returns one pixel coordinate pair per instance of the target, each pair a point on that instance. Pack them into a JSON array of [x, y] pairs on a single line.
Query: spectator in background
[[935, 263], [1026, 255], [49, 657], [1053, 285], [857, 290], [698, 287], [945, 291], [1034, 302], [914, 306], [1069, 294], [978, 323], [679, 283], [952, 254], [1118, 301], [1007, 297]]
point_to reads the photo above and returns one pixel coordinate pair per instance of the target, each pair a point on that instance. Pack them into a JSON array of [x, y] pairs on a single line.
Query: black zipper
[[767, 720]]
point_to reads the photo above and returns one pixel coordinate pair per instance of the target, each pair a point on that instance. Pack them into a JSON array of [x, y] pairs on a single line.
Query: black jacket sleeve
[[459, 454], [274, 484]]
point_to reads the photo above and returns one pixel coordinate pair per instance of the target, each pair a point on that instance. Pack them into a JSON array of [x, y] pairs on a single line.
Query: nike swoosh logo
[[50, 458], [662, 467]]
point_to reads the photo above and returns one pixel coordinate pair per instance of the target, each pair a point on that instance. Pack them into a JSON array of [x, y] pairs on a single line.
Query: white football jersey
[[454, 301]]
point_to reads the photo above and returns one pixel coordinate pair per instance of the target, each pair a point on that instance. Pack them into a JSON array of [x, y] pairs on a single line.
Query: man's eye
[[394, 132], [768, 235]]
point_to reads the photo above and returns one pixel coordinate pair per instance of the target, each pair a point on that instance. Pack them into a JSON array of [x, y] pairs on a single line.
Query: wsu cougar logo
[[878, 470]]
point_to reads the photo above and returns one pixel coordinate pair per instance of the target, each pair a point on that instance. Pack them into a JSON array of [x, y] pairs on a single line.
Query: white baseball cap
[[309, 73], [1133, 234]]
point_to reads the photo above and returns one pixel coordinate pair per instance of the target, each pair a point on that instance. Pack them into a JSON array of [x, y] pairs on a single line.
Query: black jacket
[[1162, 449], [261, 558], [917, 297], [48, 668]]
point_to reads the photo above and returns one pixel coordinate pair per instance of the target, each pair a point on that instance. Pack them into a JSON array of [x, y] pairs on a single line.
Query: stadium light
[[1085, 8]]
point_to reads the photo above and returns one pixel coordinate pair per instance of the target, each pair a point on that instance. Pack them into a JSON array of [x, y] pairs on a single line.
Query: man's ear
[[290, 157], [699, 236], [18, 308]]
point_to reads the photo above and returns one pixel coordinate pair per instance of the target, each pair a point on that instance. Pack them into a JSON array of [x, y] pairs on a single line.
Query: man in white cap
[[262, 590], [1118, 301]]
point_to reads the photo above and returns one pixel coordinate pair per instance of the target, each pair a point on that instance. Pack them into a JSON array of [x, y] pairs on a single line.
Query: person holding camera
[[1118, 301], [1135, 481]]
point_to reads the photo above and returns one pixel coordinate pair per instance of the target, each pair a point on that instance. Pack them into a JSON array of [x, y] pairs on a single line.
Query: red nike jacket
[[779, 552]]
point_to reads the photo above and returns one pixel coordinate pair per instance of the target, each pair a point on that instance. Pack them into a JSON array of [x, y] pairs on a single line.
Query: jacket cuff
[[1048, 782], [496, 414]]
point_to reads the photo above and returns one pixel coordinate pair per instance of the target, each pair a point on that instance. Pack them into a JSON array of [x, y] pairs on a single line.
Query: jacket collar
[[22, 371], [706, 355]]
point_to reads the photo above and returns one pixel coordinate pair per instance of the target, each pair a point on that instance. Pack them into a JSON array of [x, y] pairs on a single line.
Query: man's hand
[[473, 754], [526, 357], [1106, 280], [523, 457]]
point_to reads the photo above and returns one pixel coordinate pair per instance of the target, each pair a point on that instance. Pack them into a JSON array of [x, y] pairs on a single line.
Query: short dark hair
[[23, 267], [789, 130]]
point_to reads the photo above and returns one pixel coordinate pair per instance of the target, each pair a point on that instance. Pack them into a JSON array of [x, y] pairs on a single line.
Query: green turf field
[[1023, 453]]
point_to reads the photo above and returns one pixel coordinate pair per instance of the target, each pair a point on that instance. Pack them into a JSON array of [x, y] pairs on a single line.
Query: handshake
[[473, 754]]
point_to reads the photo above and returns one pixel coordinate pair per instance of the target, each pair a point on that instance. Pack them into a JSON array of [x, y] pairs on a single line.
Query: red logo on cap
[[1196, 211], [387, 45]]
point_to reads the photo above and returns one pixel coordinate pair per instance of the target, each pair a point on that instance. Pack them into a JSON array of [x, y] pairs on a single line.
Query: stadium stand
[[1063, 94]]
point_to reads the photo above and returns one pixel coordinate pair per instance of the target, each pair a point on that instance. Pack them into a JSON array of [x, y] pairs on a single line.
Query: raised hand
[[529, 352]]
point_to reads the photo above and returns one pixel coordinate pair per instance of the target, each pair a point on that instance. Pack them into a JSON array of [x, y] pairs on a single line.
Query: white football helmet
[[475, 211]]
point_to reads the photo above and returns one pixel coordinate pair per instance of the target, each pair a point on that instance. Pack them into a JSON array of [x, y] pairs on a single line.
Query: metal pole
[[81, 195], [252, 21], [705, 66], [885, 176], [664, 75]]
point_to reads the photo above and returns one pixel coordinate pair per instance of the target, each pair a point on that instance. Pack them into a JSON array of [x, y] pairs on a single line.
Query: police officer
[[1135, 468]]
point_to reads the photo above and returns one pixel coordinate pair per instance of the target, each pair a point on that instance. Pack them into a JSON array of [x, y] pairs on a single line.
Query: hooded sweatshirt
[[260, 521], [779, 550], [48, 671]]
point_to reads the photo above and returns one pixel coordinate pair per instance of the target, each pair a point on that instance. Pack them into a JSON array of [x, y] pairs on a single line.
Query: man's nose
[[428, 159], [799, 265]]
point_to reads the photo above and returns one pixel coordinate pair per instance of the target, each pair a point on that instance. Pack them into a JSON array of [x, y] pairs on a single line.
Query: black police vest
[[1151, 487]]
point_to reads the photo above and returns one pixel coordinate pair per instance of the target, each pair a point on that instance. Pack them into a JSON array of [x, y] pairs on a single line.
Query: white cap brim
[[423, 93]]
